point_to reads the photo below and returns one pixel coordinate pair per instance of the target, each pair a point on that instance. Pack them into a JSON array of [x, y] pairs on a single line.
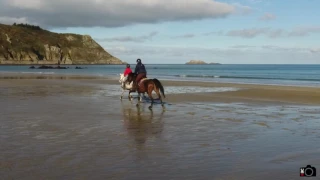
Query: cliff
[[27, 44]]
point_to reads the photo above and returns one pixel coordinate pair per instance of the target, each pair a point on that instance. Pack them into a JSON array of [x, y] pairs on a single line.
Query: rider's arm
[[136, 69]]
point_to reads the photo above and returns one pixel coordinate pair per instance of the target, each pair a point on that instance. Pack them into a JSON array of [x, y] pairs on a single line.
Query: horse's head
[[121, 78]]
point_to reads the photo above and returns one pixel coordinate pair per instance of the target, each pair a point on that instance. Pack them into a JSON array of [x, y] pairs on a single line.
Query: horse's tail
[[159, 85]]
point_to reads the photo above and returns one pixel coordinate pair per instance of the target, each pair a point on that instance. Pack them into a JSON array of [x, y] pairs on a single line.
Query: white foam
[[112, 90], [37, 72], [196, 89]]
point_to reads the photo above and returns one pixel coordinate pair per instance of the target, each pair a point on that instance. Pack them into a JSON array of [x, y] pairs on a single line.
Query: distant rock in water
[[48, 67], [80, 67], [199, 62], [28, 44]]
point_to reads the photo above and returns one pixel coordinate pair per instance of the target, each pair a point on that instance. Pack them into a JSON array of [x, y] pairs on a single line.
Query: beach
[[76, 127]]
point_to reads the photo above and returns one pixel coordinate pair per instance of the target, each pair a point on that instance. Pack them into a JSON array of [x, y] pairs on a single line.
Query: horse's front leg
[[129, 95], [122, 94], [144, 95], [139, 99]]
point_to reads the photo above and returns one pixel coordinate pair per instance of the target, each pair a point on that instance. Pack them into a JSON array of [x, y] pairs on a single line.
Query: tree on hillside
[[30, 26]]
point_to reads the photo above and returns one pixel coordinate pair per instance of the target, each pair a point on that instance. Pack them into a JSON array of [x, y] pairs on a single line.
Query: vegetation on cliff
[[29, 44]]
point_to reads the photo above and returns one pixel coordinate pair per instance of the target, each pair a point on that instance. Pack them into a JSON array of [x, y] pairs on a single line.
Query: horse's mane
[[131, 74]]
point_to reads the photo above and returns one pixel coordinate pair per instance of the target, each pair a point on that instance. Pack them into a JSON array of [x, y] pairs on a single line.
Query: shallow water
[[278, 74], [85, 134]]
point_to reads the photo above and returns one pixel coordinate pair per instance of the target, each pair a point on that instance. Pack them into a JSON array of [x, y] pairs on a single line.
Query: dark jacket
[[140, 69]]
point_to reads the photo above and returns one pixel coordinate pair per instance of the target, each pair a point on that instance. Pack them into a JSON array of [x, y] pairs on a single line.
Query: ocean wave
[[12, 72], [246, 77], [37, 72]]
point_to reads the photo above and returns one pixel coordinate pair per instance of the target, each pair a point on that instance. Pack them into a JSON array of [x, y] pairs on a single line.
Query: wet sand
[[73, 129]]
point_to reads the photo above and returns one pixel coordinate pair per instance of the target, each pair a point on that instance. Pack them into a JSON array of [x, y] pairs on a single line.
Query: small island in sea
[[200, 62]]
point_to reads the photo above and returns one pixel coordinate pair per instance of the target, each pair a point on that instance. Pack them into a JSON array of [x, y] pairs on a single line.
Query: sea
[[270, 74]]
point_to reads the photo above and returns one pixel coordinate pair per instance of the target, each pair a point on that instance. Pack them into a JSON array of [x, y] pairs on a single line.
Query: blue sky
[[224, 31]]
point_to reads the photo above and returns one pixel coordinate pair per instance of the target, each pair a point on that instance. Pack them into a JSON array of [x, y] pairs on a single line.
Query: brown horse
[[148, 86]]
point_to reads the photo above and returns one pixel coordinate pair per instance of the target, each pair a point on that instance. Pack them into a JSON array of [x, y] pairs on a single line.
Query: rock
[[199, 62], [196, 62], [51, 67]]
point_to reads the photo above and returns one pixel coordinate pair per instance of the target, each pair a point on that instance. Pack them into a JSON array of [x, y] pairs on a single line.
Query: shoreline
[[66, 75], [246, 92], [114, 80]]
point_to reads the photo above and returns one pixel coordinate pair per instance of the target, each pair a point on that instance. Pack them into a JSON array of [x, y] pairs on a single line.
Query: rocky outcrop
[[196, 62], [199, 62], [24, 45]]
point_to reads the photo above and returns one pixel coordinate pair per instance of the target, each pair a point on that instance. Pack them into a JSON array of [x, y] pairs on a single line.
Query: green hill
[[28, 44]]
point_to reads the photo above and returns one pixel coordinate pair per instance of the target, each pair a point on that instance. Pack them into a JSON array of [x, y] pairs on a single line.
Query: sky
[[177, 31]]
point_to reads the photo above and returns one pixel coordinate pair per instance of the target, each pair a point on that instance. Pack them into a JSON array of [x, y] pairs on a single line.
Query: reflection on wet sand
[[142, 125]]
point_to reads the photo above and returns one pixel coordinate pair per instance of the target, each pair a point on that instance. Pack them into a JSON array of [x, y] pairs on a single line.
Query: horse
[[126, 86], [148, 85]]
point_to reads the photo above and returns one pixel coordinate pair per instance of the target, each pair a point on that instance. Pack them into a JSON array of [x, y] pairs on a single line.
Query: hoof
[[150, 107], [137, 105]]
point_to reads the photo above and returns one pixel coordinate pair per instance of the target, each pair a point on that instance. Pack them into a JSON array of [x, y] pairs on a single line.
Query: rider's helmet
[[128, 65], [138, 60]]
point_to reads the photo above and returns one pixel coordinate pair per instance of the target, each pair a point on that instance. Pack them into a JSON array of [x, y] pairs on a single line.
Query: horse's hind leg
[[150, 96], [159, 95]]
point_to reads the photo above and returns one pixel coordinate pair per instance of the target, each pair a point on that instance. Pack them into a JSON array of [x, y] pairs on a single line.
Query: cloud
[[248, 33], [189, 51], [11, 20], [255, 1], [268, 32], [304, 31], [268, 17], [130, 38], [315, 50], [242, 46], [184, 36], [234, 54], [220, 33], [274, 48], [114, 13]]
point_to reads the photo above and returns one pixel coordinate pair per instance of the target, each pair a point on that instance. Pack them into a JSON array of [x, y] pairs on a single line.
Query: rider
[[140, 71], [127, 70], [125, 73]]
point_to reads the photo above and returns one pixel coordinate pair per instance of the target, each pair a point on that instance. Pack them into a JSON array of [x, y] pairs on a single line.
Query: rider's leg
[[139, 76]]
